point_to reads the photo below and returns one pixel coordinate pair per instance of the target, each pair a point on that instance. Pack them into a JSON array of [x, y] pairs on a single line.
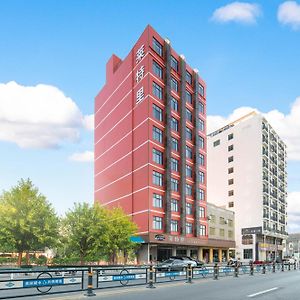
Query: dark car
[[175, 264]]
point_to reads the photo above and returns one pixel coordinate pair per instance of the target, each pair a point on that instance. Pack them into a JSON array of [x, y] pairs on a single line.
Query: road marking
[[263, 292]]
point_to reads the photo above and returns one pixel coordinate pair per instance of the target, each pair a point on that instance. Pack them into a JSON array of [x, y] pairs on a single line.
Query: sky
[[52, 64]]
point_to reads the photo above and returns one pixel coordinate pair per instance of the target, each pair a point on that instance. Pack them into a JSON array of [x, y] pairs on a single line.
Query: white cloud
[[293, 210], [289, 14], [88, 122], [240, 12], [287, 126], [38, 116], [86, 156]]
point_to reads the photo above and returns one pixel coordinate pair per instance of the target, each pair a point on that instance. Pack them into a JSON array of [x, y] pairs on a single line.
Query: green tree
[[28, 222]]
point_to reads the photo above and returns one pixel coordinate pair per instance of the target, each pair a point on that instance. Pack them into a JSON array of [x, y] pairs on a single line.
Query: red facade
[[124, 143]]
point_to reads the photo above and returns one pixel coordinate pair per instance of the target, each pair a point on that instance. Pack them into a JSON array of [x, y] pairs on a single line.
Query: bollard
[[251, 268], [189, 273], [236, 271], [151, 278], [216, 271], [90, 283], [264, 268], [282, 267], [289, 266], [274, 267], [294, 265]]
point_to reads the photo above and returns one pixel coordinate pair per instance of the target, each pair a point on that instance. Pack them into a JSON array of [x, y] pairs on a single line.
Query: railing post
[[236, 270], [264, 268], [282, 267], [90, 283], [289, 266], [251, 268], [294, 265], [274, 267], [151, 278], [216, 271], [189, 273]]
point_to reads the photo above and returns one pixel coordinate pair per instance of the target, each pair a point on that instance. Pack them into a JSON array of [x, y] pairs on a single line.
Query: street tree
[[28, 221]]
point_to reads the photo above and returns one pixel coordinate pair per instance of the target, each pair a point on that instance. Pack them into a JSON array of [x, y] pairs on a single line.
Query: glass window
[[157, 223], [157, 90], [230, 193], [157, 156], [201, 90], [174, 164], [174, 144], [201, 124], [212, 231], [230, 234], [248, 253], [188, 152], [201, 194], [201, 107], [202, 229], [201, 142], [188, 189], [157, 69], [230, 136], [157, 113], [174, 184], [158, 48], [216, 143], [174, 225], [174, 205], [157, 178], [230, 147], [188, 77], [231, 204], [189, 116], [230, 223], [174, 124], [189, 228], [189, 208], [222, 232], [202, 212], [189, 134], [188, 171], [230, 170], [174, 63], [174, 104], [174, 84], [201, 159], [157, 134], [157, 200], [189, 98], [201, 177], [230, 181], [230, 159]]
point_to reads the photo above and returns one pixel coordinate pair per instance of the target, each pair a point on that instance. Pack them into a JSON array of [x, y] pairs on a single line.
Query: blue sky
[[248, 54]]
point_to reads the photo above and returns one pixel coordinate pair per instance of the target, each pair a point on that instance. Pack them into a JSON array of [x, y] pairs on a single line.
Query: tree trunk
[[20, 258], [27, 258], [81, 259]]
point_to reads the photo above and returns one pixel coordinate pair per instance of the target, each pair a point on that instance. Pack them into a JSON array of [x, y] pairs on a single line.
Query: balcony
[[282, 221], [274, 218], [274, 206], [266, 216]]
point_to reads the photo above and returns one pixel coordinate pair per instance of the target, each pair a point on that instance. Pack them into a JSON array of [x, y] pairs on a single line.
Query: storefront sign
[[252, 230], [159, 237]]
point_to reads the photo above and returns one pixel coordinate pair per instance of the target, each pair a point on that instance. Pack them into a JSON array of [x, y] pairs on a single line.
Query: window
[[248, 253], [188, 171], [174, 124], [189, 134], [189, 97], [213, 218], [230, 234], [157, 112], [174, 144], [189, 228], [174, 104], [157, 134], [157, 223], [157, 178], [222, 232], [201, 90], [157, 90], [189, 208], [174, 184], [188, 189], [201, 124], [230, 181], [230, 159], [216, 143], [201, 177], [157, 69], [202, 229], [230, 170], [201, 142], [157, 200], [188, 77], [201, 159], [174, 84], [230, 147], [201, 194], [201, 107], [188, 152], [157, 46], [212, 231], [201, 212], [157, 156], [230, 223], [230, 136], [231, 204], [174, 164], [174, 63], [174, 205], [174, 225], [221, 220], [189, 115]]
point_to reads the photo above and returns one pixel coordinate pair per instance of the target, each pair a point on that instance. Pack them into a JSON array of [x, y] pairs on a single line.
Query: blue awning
[[136, 239]]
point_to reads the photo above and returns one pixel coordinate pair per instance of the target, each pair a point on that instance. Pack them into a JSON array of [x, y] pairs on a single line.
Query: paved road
[[281, 286]]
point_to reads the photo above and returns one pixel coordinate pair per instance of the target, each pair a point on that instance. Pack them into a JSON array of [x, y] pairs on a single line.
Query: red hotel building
[[150, 147]]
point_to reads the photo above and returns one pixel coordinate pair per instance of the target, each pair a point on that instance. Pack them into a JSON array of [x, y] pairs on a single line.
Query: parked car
[[188, 258], [290, 260], [175, 264]]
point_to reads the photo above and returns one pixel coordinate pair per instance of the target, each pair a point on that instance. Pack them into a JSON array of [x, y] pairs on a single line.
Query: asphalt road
[[281, 285]]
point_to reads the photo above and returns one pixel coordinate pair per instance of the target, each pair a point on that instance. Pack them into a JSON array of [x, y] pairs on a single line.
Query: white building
[[247, 173]]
